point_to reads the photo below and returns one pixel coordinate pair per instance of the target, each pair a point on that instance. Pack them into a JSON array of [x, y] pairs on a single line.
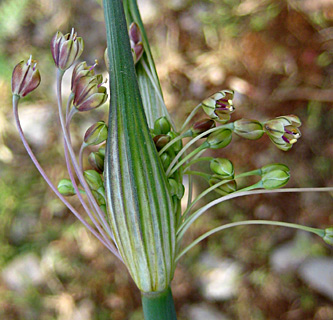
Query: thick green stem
[[159, 305]]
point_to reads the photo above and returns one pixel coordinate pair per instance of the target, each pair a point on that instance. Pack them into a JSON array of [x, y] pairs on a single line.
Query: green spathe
[[139, 203]]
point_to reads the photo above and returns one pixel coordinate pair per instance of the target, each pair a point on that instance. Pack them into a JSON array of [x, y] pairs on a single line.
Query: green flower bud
[[328, 237], [93, 179], [161, 140], [176, 188], [202, 126], [66, 49], [177, 146], [248, 129], [96, 160], [25, 77], [275, 179], [224, 189], [101, 151], [96, 134], [283, 131], [219, 139], [162, 126], [222, 167], [99, 195], [65, 187], [273, 167], [219, 106], [166, 160]]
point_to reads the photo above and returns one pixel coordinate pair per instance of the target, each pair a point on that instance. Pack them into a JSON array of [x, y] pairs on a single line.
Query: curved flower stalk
[[131, 194]]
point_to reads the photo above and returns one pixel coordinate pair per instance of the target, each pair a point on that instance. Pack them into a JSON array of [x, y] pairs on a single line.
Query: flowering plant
[[133, 193]]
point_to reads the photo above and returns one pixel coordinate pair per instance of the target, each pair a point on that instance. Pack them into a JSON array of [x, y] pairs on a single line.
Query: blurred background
[[277, 56]]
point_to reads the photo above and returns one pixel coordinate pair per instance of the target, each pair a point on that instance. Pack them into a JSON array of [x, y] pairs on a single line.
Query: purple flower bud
[[219, 106], [89, 93], [82, 70], [136, 42], [25, 77], [161, 140], [201, 126], [283, 131], [66, 49]]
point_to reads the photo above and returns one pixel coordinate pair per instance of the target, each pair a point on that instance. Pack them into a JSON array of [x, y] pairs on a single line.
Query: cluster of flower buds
[[162, 134], [66, 49], [283, 131], [219, 106], [223, 170], [25, 78], [136, 42]]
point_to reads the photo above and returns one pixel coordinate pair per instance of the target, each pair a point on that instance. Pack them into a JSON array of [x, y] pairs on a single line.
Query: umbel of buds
[[66, 49], [283, 131], [219, 106], [25, 78]]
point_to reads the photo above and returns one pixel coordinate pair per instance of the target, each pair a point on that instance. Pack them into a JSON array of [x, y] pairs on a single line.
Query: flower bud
[[328, 237], [283, 131], [274, 166], [161, 140], [224, 189], [177, 146], [219, 106], [99, 195], [201, 126], [248, 129], [93, 179], [96, 160], [25, 77], [65, 187], [166, 160], [106, 59], [162, 126], [135, 41], [96, 134], [176, 188], [66, 49], [82, 70], [101, 151], [222, 167], [219, 139], [275, 179], [89, 93]]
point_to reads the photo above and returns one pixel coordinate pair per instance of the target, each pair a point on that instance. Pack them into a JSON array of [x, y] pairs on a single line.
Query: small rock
[[22, 272], [289, 256], [204, 311], [219, 279], [318, 273]]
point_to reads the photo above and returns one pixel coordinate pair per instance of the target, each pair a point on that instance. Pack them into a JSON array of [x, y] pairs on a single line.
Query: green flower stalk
[[132, 194]]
